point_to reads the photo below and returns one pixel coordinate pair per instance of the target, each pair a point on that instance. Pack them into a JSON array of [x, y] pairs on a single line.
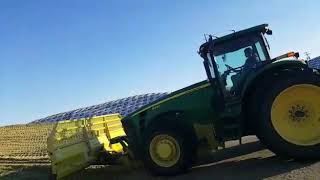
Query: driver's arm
[[250, 63]]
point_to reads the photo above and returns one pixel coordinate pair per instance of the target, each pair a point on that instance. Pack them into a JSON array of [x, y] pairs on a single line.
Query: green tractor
[[247, 93]]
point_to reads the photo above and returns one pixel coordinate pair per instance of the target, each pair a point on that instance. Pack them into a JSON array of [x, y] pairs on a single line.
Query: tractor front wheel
[[167, 153]]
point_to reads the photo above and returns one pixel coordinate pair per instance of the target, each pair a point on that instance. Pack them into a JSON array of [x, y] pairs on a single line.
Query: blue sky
[[61, 55]]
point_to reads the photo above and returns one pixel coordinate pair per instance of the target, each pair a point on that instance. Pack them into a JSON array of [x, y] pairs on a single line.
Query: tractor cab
[[230, 59]]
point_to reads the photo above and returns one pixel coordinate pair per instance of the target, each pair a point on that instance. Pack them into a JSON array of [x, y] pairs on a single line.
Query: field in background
[[23, 144]]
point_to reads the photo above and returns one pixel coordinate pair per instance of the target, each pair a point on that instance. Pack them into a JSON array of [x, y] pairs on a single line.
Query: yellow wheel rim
[[295, 114], [164, 150]]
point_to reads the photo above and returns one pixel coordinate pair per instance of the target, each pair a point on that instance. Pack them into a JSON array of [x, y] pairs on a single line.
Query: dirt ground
[[247, 161]]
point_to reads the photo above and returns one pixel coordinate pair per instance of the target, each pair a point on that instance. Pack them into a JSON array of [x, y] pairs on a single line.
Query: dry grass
[[24, 148], [6, 170], [24, 142]]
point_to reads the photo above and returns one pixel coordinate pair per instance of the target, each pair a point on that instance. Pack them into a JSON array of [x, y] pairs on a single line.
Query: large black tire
[[265, 129], [184, 159]]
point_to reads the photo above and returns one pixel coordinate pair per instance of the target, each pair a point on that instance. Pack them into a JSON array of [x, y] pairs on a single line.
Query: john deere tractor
[[247, 93]]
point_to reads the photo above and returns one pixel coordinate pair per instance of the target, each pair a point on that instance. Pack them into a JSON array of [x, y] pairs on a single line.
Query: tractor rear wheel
[[289, 115], [167, 153]]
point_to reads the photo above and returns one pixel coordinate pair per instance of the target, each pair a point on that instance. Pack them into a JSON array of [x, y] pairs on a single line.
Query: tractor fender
[[267, 70], [173, 120]]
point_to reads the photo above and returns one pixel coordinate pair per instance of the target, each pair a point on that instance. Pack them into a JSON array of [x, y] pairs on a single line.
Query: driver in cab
[[251, 61], [249, 65]]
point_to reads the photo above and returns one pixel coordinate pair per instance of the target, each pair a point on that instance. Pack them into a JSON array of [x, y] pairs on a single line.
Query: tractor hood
[[170, 96]]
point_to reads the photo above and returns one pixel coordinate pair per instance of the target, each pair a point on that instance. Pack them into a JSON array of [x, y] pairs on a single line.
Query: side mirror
[[269, 31]]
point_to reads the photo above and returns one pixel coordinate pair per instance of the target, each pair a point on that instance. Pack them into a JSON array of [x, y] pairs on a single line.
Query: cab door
[[210, 66]]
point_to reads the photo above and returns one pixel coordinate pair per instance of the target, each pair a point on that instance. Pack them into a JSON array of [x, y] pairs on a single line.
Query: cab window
[[260, 51], [236, 59]]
